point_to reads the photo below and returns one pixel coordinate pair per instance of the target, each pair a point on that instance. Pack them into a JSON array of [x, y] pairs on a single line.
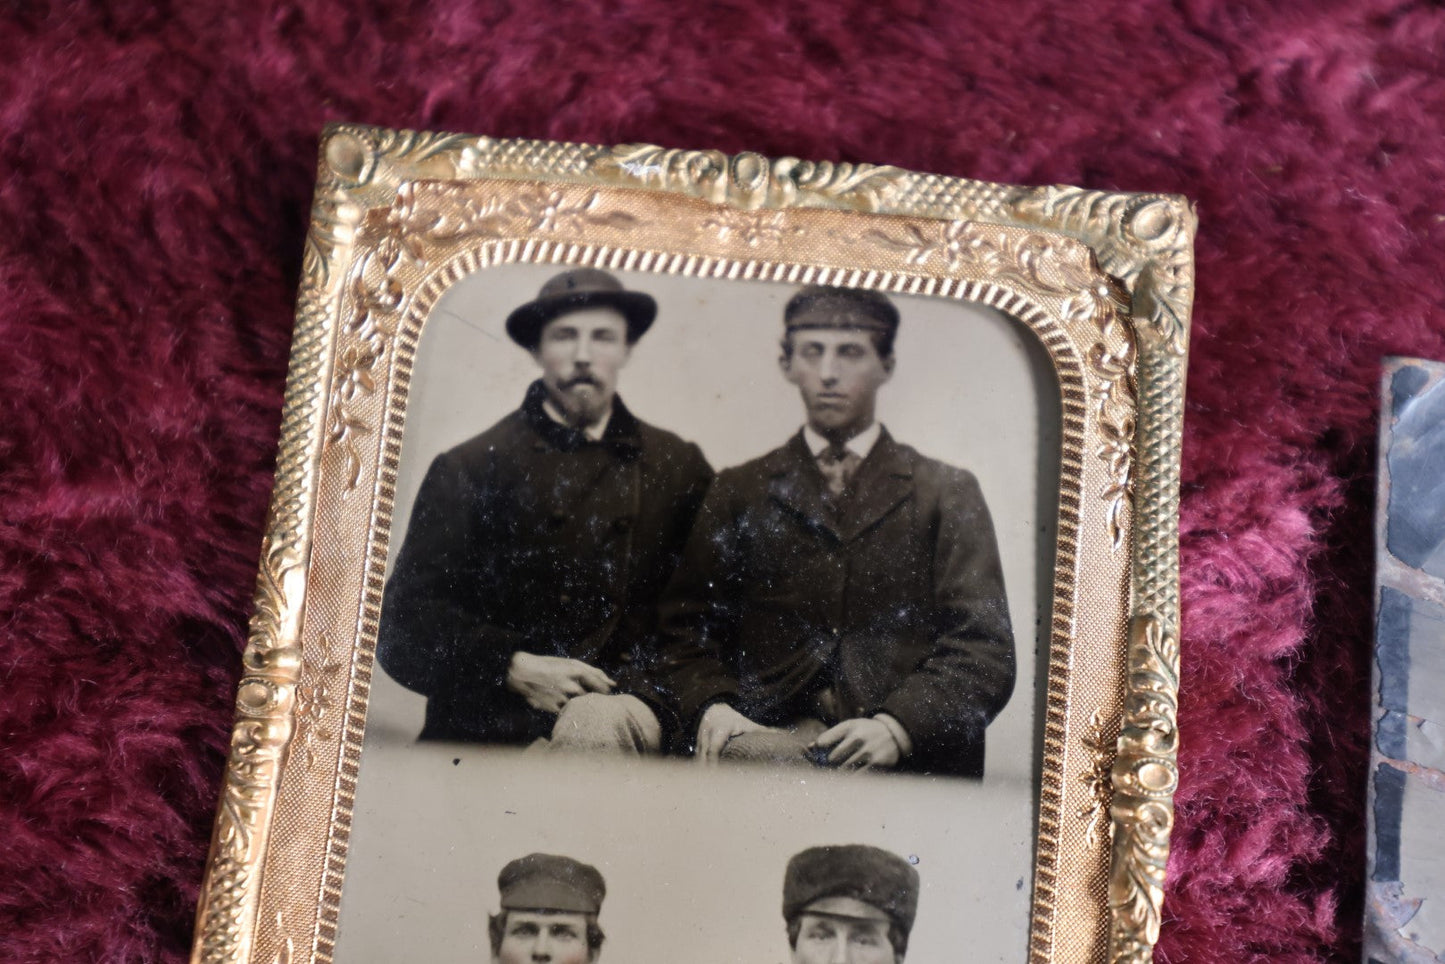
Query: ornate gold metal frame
[[1105, 281]]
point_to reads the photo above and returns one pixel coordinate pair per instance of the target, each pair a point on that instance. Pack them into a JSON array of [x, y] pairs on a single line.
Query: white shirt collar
[[593, 432], [860, 444]]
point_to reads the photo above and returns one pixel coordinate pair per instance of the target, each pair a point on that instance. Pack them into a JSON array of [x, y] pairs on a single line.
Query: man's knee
[[780, 747], [598, 721]]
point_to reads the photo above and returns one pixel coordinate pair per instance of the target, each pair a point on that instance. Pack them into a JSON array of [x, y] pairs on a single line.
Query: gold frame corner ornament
[[1114, 270]]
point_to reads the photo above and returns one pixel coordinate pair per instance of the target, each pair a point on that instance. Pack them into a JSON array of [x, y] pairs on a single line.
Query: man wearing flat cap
[[840, 600], [522, 603], [549, 908], [849, 904]]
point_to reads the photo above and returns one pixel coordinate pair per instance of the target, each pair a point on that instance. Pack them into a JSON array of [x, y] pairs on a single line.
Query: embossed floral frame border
[[1105, 280]]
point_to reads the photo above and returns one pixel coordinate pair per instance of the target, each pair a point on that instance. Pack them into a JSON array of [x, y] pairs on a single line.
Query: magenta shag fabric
[[156, 163]]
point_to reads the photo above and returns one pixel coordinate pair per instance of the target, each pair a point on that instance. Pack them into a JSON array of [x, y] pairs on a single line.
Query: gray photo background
[[693, 858]]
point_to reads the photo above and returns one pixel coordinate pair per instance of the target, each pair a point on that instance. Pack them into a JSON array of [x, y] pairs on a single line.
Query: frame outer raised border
[[1145, 240], [272, 664]]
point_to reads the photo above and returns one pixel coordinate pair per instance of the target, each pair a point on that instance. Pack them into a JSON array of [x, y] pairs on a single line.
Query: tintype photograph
[[696, 573], [683, 557]]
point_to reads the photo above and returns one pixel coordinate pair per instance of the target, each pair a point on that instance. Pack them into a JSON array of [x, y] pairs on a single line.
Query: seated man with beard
[[523, 601]]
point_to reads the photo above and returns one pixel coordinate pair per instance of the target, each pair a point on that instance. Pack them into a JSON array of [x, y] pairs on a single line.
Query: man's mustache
[[576, 380]]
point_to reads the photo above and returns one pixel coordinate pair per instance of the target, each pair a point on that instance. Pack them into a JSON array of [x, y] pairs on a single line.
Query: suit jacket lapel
[[883, 481], [796, 484]]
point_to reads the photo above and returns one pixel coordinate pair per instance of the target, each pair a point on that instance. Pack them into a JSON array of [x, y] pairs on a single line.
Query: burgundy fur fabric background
[[156, 164]]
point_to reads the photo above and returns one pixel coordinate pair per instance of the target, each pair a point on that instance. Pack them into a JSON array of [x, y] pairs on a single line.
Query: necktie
[[838, 465]]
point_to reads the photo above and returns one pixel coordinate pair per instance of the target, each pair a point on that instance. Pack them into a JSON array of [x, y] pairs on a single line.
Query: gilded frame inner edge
[[289, 704]]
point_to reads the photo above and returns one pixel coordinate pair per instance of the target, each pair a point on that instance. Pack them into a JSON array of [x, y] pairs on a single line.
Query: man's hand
[[860, 744], [719, 724], [548, 682]]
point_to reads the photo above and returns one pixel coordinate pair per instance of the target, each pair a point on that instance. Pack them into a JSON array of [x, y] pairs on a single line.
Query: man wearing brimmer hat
[[840, 600], [522, 603], [849, 904], [549, 908]]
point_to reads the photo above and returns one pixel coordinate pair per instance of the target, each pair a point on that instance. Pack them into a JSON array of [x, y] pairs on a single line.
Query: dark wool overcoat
[[890, 598], [530, 537]]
